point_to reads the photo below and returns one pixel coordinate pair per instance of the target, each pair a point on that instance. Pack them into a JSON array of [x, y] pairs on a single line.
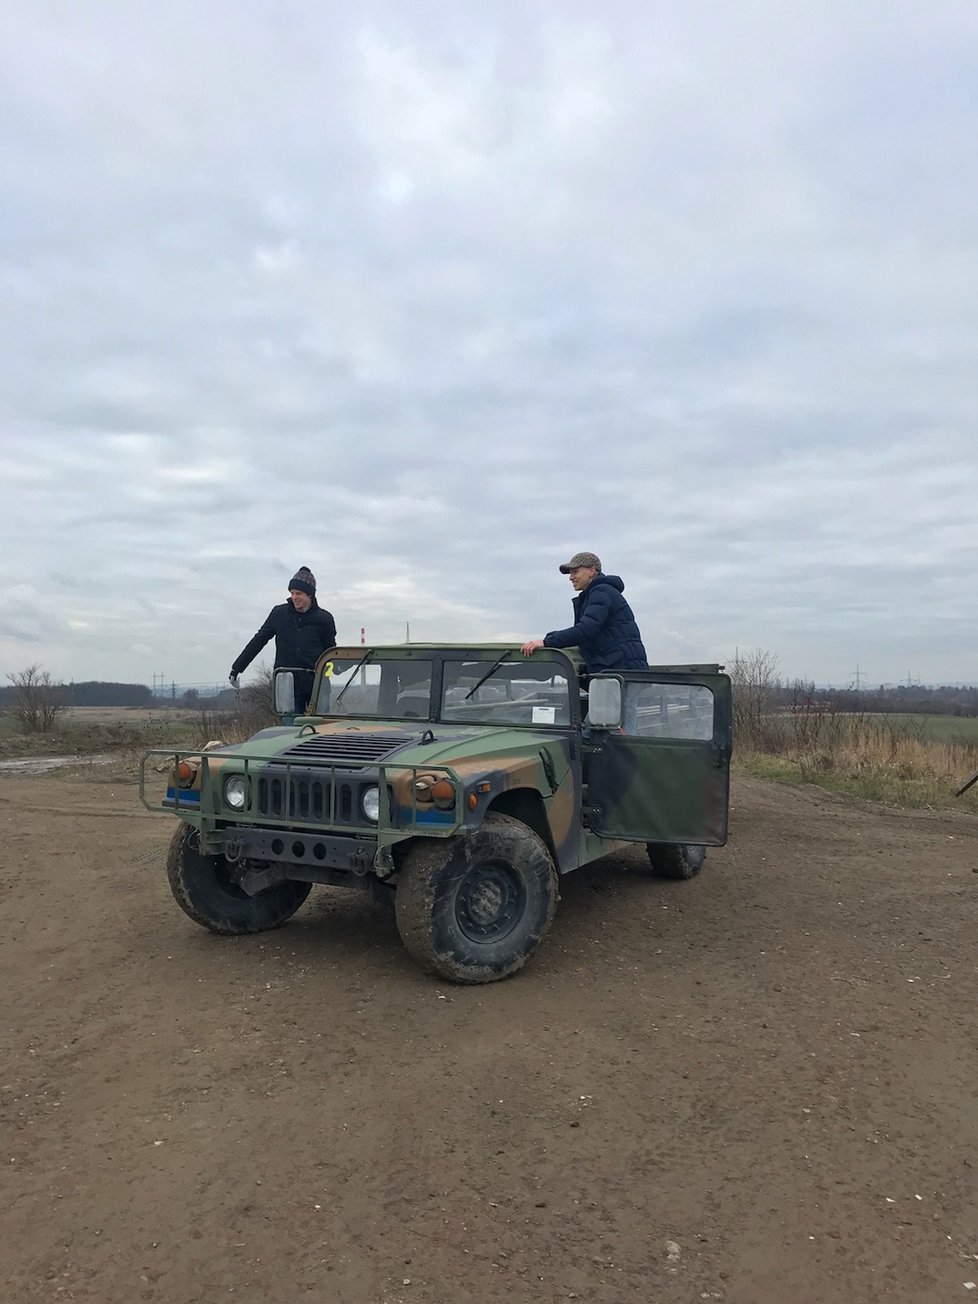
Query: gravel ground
[[760, 1086]]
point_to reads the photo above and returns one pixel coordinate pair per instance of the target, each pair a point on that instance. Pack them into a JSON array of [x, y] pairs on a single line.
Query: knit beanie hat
[[304, 581]]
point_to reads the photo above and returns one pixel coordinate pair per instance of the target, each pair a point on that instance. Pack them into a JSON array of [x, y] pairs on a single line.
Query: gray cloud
[[430, 300]]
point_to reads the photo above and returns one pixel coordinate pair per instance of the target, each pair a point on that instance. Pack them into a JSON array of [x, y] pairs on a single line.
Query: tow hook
[[359, 861], [383, 862]]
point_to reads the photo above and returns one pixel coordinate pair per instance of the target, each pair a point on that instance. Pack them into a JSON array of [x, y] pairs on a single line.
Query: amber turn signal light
[[443, 793]]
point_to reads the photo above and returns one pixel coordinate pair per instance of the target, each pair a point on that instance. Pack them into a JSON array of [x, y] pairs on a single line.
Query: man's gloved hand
[[234, 679]]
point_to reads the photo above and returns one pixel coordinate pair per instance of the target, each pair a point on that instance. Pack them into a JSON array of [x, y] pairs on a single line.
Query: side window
[[669, 711]]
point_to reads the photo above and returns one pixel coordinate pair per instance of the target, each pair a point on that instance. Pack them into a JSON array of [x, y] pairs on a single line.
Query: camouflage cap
[[581, 559]]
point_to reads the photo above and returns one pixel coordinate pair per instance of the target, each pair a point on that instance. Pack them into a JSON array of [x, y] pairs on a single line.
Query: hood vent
[[358, 748]]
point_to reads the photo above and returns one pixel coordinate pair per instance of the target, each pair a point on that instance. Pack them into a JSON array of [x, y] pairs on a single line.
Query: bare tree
[[256, 707], [37, 699], [754, 675]]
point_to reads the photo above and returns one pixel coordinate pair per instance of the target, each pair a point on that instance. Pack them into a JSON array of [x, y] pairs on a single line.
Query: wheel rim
[[490, 901]]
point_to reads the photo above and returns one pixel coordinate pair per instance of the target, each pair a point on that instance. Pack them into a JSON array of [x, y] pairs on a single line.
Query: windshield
[[371, 686], [499, 692]]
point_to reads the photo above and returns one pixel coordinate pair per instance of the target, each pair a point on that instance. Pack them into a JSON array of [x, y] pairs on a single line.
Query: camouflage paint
[[633, 784]]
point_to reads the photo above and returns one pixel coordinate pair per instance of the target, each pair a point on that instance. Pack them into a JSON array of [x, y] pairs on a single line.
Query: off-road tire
[[473, 910], [675, 862], [204, 890]]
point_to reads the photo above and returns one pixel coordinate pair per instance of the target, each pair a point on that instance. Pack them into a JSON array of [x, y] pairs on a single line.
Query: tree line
[[94, 692], [895, 699], [34, 701]]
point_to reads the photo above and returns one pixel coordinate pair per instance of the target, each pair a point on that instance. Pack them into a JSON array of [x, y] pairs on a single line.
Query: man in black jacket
[[302, 631]]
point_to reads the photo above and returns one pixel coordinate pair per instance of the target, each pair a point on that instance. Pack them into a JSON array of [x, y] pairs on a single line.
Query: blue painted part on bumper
[[187, 798]]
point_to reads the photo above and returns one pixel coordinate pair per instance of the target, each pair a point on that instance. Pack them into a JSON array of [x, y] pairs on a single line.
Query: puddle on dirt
[[43, 764]]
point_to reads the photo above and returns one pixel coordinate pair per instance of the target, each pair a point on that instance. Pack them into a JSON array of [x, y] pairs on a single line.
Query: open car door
[[664, 775]]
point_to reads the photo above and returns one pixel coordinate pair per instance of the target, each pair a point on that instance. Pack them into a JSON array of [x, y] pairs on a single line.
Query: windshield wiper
[[362, 662], [491, 671]]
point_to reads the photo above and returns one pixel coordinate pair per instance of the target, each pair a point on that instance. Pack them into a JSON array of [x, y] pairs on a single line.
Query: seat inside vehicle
[[414, 706]]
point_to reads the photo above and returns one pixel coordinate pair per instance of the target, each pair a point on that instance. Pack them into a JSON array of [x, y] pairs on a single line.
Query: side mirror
[[284, 692], [604, 704]]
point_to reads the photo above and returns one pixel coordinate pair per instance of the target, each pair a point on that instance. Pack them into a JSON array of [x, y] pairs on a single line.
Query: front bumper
[[287, 803], [314, 850]]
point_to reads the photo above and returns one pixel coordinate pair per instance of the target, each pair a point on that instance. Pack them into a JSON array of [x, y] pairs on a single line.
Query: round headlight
[[422, 787], [236, 791], [370, 803]]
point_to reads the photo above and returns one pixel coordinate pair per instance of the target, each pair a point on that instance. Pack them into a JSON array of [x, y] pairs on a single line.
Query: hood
[[358, 743], [615, 581]]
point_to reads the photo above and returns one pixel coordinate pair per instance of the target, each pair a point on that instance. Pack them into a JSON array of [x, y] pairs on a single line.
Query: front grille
[[365, 748], [310, 798]]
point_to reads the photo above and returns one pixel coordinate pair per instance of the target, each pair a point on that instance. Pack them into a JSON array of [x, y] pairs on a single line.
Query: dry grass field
[[91, 730]]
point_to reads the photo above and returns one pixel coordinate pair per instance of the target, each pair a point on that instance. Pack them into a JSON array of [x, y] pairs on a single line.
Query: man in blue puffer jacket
[[604, 628]]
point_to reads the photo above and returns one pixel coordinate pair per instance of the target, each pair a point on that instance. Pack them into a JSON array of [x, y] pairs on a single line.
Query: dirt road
[[757, 1087]]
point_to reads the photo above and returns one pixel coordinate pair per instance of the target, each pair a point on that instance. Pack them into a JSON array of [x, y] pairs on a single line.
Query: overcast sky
[[428, 297]]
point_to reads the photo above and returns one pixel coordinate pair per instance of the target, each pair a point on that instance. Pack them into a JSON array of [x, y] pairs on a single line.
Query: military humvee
[[456, 783]]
